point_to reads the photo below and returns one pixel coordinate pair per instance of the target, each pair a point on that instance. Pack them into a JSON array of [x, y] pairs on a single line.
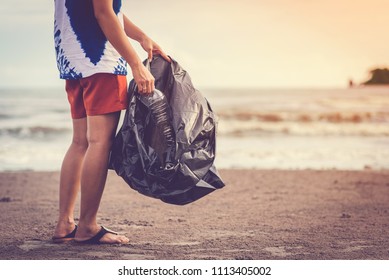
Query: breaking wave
[[332, 117], [40, 132]]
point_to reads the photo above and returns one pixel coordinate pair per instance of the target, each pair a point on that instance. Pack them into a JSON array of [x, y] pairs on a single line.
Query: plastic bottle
[[161, 115]]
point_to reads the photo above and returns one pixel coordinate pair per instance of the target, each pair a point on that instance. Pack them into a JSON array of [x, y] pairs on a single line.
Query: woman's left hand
[[153, 48]]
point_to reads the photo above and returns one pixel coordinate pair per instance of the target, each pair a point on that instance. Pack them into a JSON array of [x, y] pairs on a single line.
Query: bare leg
[[70, 178], [101, 130]]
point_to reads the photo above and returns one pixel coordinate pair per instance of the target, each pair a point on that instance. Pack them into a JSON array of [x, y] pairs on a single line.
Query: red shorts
[[99, 94]]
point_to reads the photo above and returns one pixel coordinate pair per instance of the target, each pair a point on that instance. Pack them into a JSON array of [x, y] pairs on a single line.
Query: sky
[[221, 43]]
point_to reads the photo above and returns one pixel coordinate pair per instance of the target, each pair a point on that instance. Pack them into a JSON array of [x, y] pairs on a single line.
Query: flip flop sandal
[[65, 238], [96, 239]]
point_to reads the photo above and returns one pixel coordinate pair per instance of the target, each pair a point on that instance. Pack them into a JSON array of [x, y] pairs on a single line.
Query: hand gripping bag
[[166, 146]]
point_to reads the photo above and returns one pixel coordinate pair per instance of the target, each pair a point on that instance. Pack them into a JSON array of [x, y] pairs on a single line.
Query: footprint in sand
[[34, 244], [277, 251]]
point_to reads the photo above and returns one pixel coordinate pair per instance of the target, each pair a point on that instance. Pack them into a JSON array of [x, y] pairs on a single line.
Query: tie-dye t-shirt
[[81, 46]]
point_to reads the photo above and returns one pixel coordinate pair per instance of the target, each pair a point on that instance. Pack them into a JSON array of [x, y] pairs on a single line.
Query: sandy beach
[[260, 214]]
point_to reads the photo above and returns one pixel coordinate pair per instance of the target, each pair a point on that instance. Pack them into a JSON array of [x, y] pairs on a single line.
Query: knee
[[94, 141], [80, 143]]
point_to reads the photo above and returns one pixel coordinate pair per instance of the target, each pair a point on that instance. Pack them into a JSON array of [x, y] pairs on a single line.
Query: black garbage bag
[[166, 146]]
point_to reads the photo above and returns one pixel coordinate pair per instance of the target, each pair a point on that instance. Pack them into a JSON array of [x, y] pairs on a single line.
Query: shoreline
[[260, 214]]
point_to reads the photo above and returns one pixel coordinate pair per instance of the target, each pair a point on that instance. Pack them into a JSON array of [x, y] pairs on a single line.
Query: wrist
[[143, 37]]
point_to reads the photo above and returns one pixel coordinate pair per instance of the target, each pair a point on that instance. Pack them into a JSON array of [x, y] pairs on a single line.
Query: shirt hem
[[70, 77]]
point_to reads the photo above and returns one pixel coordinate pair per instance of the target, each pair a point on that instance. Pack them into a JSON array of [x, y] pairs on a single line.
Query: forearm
[[112, 29], [133, 31]]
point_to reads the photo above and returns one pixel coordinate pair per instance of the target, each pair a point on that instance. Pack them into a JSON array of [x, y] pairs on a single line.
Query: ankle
[[64, 226], [88, 226], [66, 221]]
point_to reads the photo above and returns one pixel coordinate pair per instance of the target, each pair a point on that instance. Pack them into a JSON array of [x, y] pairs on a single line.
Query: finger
[[152, 86], [142, 87], [139, 87], [145, 90], [164, 55], [150, 56]]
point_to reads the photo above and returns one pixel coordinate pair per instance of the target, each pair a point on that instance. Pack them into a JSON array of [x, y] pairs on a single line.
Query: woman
[[92, 49]]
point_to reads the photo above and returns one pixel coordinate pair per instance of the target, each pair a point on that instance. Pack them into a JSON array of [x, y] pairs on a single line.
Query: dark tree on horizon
[[379, 76]]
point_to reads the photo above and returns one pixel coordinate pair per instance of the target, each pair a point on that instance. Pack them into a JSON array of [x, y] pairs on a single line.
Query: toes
[[123, 240], [110, 238]]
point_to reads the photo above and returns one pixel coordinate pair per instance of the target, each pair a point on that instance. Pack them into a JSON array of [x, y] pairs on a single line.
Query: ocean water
[[258, 128]]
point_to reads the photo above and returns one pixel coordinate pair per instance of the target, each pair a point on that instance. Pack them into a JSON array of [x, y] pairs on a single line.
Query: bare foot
[[64, 232], [100, 236], [110, 238], [63, 229]]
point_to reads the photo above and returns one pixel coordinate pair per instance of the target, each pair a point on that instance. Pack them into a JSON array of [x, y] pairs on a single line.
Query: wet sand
[[260, 214]]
